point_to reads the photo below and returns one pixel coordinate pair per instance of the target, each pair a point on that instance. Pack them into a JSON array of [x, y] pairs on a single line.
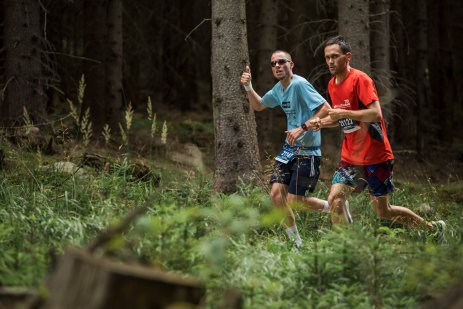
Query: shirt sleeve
[[269, 99], [311, 96], [366, 90]]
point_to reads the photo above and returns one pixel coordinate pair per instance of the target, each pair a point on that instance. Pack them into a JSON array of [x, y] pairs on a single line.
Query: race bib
[[285, 155], [348, 125]]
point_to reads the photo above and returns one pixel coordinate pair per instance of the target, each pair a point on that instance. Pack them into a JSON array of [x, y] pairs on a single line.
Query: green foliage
[[233, 240], [198, 132], [81, 118]]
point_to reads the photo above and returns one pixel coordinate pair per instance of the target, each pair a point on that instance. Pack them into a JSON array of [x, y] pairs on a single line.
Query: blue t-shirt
[[299, 101]]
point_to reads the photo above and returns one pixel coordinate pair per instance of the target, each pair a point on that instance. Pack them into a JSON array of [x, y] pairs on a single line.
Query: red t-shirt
[[365, 143]]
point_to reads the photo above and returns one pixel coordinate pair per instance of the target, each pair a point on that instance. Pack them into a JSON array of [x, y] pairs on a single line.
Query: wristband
[[304, 126], [248, 87]]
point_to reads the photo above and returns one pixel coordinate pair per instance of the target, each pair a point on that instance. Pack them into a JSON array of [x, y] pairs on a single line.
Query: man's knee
[[277, 197], [382, 208], [336, 203], [383, 212]]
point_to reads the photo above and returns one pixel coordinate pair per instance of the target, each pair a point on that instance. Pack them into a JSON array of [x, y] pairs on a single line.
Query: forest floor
[[441, 166], [75, 209]]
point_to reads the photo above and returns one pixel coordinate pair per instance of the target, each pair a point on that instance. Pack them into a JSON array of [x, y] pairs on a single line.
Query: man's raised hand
[[246, 78]]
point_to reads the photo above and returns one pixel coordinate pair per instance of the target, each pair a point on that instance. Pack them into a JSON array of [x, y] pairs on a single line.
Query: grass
[[228, 240]]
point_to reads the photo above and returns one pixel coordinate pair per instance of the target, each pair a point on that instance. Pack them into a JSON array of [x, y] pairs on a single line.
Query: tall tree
[[237, 153], [447, 90], [422, 83], [96, 51], [24, 79], [297, 26], [403, 114], [113, 64], [103, 69], [354, 20], [380, 54], [267, 43]]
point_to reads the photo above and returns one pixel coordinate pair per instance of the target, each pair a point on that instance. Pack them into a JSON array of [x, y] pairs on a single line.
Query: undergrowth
[[227, 240]]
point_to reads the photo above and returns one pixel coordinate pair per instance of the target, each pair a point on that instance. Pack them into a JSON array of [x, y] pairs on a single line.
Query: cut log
[[11, 297], [82, 280]]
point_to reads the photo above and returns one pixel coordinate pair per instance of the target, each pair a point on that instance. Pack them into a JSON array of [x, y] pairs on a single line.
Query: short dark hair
[[341, 41], [288, 55]]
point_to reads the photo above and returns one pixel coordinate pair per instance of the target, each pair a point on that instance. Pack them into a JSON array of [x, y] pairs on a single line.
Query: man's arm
[[321, 112], [253, 97], [317, 123], [295, 133], [371, 114]]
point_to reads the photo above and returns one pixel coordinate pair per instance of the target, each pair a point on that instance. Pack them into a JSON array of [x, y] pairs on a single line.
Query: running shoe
[[438, 231], [347, 213]]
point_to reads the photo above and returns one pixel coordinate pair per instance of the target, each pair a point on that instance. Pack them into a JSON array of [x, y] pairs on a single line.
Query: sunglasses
[[279, 61]]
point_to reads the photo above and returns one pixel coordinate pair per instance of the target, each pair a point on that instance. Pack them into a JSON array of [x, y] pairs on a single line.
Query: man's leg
[[304, 178], [337, 200], [280, 198], [305, 203], [399, 214], [403, 215]]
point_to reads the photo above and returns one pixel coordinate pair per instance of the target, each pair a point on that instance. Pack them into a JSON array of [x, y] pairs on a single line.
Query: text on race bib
[[348, 125], [285, 155]]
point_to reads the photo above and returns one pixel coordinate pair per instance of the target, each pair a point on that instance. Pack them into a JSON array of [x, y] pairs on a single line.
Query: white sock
[[293, 234], [326, 207]]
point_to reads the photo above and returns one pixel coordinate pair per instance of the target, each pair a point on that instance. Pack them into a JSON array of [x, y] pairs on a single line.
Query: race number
[[285, 155], [348, 125]]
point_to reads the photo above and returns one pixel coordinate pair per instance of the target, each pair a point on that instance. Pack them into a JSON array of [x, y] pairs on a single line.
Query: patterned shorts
[[378, 177]]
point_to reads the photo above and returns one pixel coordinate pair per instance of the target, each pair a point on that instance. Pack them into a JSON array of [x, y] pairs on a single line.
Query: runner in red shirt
[[365, 143], [366, 156]]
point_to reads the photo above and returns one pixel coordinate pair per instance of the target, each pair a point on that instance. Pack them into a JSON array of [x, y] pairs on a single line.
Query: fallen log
[[10, 297], [82, 280]]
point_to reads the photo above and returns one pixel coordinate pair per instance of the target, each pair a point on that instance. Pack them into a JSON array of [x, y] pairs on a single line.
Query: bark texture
[[381, 55], [268, 30], [84, 281], [354, 25], [96, 51], [24, 79], [237, 153], [114, 99]]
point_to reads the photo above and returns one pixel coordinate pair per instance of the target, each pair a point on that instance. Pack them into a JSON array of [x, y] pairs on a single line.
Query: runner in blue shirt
[[297, 166]]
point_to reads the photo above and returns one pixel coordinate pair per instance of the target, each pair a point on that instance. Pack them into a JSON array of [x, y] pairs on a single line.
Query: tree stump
[[82, 280], [11, 297]]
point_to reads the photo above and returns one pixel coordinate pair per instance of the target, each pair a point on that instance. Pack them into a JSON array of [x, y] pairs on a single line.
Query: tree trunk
[[381, 56], [96, 50], [298, 34], [268, 30], [447, 87], [353, 16], [433, 52], [114, 98], [422, 83], [237, 153], [396, 61], [24, 78]]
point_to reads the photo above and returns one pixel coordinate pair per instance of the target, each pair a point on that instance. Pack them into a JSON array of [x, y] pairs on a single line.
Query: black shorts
[[300, 174]]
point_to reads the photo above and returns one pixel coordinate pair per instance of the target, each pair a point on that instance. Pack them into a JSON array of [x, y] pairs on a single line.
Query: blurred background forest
[[131, 50]]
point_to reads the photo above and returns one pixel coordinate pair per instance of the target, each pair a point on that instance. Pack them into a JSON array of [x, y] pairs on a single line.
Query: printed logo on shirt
[[345, 104], [286, 104]]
